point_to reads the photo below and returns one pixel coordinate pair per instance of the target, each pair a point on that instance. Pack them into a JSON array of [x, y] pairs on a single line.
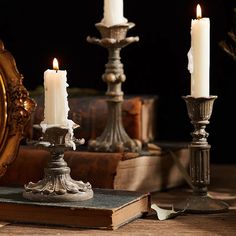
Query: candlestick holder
[[57, 184], [199, 111], [114, 137]]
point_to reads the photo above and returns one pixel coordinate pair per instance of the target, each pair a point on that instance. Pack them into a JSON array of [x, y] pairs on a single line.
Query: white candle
[[199, 55], [113, 13], [55, 96]]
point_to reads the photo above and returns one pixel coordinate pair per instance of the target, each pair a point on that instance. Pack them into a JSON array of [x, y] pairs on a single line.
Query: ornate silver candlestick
[[114, 138], [57, 184], [199, 111]]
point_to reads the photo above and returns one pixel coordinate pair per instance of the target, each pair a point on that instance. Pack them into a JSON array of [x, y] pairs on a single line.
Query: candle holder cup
[[199, 111], [114, 137], [57, 184]]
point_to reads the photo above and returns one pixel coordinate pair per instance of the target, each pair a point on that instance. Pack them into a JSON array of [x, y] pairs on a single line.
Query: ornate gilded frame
[[15, 108]]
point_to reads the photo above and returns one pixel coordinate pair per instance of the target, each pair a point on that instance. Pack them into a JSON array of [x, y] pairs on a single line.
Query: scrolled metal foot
[[57, 184]]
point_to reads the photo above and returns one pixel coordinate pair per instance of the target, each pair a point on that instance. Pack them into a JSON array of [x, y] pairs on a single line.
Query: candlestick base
[[57, 184], [202, 204], [114, 137]]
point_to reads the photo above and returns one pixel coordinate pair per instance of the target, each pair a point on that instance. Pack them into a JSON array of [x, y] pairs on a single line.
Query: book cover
[[108, 209]]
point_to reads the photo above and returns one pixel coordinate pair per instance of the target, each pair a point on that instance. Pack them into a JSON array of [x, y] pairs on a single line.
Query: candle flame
[[55, 64], [199, 12]]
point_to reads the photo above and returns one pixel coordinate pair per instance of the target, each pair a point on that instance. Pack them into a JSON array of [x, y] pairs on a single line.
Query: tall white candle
[[113, 13], [55, 96], [199, 55]]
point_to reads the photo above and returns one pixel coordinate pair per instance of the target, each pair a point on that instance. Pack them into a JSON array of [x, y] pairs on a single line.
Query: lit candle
[[55, 100], [113, 13], [199, 55]]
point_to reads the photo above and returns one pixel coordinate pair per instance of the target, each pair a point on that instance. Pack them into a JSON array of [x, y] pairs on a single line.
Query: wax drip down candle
[[56, 106], [113, 13], [199, 55], [56, 103]]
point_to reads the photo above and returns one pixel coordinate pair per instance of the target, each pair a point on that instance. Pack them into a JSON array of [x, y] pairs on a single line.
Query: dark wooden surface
[[223, 186]]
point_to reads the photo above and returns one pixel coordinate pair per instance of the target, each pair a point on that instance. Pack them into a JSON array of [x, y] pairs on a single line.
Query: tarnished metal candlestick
[[199, 111], [114, 137], [57, 184]]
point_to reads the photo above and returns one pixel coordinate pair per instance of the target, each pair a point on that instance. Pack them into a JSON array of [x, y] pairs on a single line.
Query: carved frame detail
[[15, 108]]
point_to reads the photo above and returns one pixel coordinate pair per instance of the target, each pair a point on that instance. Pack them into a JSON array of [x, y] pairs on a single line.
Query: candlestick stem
[[114, 137], [199, 111]]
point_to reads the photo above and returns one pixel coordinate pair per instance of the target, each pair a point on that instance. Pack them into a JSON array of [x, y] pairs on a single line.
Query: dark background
[[37, 31]]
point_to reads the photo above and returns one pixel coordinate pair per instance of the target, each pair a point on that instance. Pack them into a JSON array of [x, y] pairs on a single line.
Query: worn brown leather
[[98, 169], [90, 112]]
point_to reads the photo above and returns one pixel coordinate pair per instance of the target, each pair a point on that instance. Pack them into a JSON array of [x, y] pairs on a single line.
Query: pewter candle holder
[[114, 137], [57, 184], [199, 111]]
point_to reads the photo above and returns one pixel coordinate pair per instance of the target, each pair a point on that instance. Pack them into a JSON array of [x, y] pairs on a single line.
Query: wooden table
[[223, 186]]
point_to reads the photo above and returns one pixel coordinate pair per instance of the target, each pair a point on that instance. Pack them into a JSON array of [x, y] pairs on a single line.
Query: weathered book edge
[[20, 211]]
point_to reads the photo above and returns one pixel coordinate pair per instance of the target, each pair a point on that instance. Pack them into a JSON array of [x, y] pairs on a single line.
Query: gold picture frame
[[15, 108]]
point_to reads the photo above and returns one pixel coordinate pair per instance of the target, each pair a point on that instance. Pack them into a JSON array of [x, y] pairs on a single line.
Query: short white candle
[[199, 55], [55, 100], [113, 13]]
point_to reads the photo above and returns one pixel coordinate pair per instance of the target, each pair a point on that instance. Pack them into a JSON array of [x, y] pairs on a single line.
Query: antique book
[[152, 170], [108, 209], [90, 112]]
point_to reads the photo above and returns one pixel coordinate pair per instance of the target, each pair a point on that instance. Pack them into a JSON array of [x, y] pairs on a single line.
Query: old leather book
[[90, 112], [149, 171], [108, 209]]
